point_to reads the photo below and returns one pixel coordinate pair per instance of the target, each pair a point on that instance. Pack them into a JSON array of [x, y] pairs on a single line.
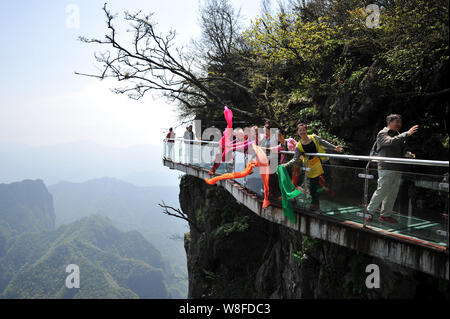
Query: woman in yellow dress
[[311, 144]]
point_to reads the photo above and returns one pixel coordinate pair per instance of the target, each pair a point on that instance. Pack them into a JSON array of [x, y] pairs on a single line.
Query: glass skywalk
[[421, 208]]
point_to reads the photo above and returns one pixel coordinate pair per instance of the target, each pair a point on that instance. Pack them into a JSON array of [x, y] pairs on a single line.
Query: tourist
[[189, 141], [170, 141], [389, 143], [274, 144], [311, 144]]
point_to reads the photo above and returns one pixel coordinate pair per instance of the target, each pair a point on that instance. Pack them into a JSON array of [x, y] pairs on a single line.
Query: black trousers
[[314, 187], [274, 187]]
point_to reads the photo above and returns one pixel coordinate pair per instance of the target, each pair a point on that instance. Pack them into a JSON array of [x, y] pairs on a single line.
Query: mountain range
[[83, 160], [35, 250]]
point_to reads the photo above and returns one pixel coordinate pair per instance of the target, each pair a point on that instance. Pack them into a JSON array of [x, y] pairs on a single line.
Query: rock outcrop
[[26, 206]]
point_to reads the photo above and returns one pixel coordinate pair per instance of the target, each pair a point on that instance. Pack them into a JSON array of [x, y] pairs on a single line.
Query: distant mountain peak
[[26, 206]]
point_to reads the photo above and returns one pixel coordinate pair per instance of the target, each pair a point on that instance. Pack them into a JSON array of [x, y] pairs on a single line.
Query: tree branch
[[179, 214], [151, 66]]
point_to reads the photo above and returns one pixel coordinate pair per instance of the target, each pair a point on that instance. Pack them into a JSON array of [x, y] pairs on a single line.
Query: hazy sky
[[43, 102]]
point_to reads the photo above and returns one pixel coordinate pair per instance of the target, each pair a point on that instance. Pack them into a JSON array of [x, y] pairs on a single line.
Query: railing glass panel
[[420, 207], [240, 162], [339, 192]]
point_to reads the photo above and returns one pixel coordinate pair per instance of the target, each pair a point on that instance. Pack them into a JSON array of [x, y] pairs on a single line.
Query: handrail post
[[448, 228], [306, 182], [366, 192], [164, 148], [245, 165]]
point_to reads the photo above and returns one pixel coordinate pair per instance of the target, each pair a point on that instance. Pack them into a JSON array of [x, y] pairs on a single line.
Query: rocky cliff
[[233, 253], [25, 206]]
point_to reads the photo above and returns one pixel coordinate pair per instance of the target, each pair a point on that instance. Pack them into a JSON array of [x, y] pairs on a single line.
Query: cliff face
[[233, 253]]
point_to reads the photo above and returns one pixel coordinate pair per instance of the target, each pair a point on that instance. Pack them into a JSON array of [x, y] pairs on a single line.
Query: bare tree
[[221, 41], [152, 63], [283, 7], [266, 8], [175, 212], [220, 28]]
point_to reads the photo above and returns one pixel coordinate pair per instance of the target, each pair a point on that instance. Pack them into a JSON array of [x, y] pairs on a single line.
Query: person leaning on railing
[[311, 144], [390, 143]]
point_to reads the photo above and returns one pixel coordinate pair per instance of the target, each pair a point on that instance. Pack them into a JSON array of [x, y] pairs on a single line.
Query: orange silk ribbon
[[263, 164], [248, 169]]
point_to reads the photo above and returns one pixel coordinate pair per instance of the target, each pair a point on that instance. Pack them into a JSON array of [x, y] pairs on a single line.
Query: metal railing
[[344, 156], [427, 221], [396, 160]]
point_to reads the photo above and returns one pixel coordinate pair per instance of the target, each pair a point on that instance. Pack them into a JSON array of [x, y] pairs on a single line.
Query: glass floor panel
[[414, 227]]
